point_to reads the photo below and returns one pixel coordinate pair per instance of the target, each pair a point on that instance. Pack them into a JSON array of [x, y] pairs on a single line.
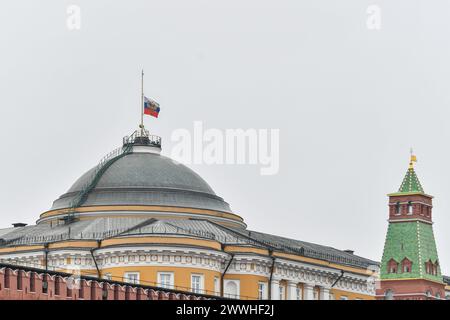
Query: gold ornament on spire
[[412, 159]]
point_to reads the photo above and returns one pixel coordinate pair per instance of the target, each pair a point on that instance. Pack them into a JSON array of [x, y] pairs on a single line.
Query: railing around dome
[[142, 137]]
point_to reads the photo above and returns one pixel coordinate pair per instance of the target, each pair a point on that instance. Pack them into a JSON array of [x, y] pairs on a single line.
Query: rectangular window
[[299, 294], [262, 291], [197, 283], [166, 280], [398, 208], [107, 276], [131, 277], [410, 208], [216, 286], [344, 298], [281, 292]]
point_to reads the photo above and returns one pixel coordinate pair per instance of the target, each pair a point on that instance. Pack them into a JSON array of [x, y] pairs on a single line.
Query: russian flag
[[151, 107]]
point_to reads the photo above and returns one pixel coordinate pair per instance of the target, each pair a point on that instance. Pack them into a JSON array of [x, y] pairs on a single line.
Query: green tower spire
[[411, 182], [410, 252]]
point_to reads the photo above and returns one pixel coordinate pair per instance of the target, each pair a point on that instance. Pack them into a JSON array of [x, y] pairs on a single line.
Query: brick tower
[[410, 265]]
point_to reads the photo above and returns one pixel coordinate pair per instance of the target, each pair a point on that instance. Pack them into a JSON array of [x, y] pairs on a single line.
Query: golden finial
[[412, 159]]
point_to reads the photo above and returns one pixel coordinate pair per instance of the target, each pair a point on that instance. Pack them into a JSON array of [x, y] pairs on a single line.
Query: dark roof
[[309, 249], [146, 179], [102, 228], [447, 280]]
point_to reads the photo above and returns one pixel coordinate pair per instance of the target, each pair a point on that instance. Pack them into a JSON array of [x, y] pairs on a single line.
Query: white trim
[[263, 290], [201, 284], [131, 277], [237, 284], [163, 284], [148, 214]]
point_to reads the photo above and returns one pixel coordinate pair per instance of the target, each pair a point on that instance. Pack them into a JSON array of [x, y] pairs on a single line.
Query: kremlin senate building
[[141, 226]]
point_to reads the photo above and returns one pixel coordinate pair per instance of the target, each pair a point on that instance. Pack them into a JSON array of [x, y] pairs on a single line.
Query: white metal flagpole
[[142, 100]]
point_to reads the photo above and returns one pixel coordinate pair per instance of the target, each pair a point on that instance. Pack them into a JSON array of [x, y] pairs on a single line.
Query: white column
[[275, 290], [291, 291], [308, 291], [324, 293]]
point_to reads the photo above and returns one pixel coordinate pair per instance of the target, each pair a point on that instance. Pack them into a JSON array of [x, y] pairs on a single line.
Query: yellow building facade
[[140, 217]]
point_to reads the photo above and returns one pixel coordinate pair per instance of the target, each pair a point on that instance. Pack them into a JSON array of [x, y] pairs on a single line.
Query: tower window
[[431, 268], [398, 208], [406, 265], [410, 208], [435, 268], [392, 266]]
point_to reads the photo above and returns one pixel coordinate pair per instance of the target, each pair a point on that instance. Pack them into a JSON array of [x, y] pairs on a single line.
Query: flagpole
[[142, 101]]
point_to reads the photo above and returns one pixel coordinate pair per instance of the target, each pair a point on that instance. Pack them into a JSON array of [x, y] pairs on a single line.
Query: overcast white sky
[[349, 103]]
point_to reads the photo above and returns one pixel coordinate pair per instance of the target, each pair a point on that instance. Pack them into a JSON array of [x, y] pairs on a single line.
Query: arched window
[[389, 295], [428, 293], [438, 295], [231, 289], [410, 208], [398, 208]]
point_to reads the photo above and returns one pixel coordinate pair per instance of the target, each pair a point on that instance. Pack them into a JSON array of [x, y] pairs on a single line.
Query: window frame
[[131, 273], [398, 208], [410, 209], [217, 286], [171, 282], [201, 283], [299, 292], [281, 292], [262, 290]]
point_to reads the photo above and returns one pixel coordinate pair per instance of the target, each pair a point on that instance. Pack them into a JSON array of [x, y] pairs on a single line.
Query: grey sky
[[349, 103]]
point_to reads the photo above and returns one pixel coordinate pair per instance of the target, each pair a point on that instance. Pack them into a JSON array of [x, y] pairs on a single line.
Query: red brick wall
[[421, 207], [411, 289], [15, 285]]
